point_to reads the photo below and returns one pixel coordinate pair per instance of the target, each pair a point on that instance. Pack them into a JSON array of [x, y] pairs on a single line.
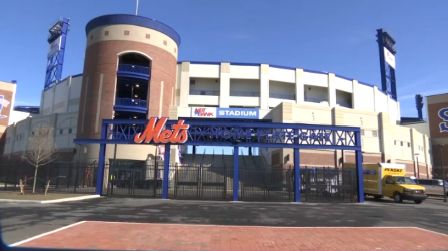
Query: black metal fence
[[205, 182], [328, 184], [135, 179], [196, 182], [70, 177], [266, 184]]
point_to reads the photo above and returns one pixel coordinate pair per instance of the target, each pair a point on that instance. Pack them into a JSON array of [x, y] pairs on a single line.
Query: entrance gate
[[232, 183]]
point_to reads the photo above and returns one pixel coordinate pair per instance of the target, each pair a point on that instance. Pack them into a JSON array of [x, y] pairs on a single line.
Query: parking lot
[[23, 220]]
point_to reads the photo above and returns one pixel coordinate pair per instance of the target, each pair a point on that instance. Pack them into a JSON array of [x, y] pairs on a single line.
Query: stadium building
[[131, 72]]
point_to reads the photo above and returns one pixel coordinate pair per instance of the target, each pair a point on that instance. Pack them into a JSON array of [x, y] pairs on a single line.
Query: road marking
[[46, 233], [77, 198], [237, 226], [85, 197], [434, 232]]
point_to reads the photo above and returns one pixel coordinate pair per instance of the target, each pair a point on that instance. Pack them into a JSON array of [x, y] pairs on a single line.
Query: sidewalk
[[150, 236]]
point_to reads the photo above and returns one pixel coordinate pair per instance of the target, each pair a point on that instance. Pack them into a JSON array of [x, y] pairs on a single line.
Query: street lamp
[[418, 169]]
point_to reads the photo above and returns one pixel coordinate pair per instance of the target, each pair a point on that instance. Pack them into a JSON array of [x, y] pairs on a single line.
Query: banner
[[389, 57], [238, 113], [203, 112]]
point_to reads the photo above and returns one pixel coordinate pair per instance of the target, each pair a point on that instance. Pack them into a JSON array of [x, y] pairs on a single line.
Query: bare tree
[[41, 150]]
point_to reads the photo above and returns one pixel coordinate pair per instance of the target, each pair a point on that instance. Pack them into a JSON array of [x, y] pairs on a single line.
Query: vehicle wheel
[[418, 201], [397, 198]]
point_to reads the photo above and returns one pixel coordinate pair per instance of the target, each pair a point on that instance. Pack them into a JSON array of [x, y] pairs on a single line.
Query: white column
[[354, 94], [98, 104], [300, 91], [184, 85], [331, 90], [264, 86], [224, 85]]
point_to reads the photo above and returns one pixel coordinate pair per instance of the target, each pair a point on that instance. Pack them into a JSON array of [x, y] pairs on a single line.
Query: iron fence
[[266, 184], [69, 177], [328, 184], [202, 182], [134, 179]]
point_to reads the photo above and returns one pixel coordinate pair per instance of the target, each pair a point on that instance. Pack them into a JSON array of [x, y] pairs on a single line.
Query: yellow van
[[388, 179]]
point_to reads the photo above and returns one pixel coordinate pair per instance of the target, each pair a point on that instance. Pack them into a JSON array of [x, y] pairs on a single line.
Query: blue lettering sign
[[239, 113], [443, 114]]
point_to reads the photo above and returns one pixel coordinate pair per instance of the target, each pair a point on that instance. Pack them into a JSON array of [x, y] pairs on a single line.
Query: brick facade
[[102, 59]]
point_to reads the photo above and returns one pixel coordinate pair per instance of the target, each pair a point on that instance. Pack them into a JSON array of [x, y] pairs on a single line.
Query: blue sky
[[331, 36]]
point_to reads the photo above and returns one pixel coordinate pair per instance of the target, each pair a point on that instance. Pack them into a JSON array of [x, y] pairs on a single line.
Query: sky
[[330, 36]]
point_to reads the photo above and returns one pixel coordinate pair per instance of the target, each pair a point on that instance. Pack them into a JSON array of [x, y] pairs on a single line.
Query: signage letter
[[443, 114]]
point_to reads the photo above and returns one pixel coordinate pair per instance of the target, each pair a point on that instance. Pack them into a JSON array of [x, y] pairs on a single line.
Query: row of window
[[403, 143], [20, 136]]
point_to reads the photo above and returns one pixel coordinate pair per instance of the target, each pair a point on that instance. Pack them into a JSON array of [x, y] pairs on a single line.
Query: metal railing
[[67, 177], [289, 96], [204, 92], [131, 102], [135, 69], [245, 93], [324, 184]]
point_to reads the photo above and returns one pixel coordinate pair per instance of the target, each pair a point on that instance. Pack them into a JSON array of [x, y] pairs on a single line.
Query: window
[[69, 130], [395, 142], [126, 33], [61, 131], [409, 144], [401, 143], [148, 36], [91, 37], [389, 180], [106, 33], [374, 133], [165, 42]]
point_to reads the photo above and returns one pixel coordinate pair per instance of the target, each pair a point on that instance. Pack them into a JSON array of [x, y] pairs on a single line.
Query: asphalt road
[[23, 220]]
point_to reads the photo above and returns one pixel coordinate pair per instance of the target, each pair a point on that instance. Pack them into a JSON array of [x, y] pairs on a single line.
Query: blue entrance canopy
[[222, 132]]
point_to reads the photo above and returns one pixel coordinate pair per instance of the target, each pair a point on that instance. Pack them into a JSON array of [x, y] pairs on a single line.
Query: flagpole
[[136, 7]]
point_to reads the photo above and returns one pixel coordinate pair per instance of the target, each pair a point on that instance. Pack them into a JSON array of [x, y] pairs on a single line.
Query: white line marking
[[211, 225], [71, 199], [45, 234], [85, 197], [434, 232]]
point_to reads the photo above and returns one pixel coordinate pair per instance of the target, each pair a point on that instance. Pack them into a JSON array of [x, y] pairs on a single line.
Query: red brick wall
[[102, 58]]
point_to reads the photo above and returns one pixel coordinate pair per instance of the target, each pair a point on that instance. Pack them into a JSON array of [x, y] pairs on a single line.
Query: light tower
[[386, 46], [55, 57]]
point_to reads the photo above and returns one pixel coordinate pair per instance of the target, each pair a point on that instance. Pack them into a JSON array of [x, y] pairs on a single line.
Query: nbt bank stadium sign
[[227, 113]]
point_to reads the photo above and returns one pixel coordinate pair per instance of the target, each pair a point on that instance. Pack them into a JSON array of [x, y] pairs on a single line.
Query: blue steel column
[[166, 171], [359, 172], [297, 180], [101, 161], [236, 176]]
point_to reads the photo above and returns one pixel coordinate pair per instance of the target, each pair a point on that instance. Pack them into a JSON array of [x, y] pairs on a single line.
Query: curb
[[86, 197]]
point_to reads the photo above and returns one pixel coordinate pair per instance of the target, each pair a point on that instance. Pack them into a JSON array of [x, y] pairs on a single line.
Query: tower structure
[[55, 56], [129, 71], [387, 62]]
